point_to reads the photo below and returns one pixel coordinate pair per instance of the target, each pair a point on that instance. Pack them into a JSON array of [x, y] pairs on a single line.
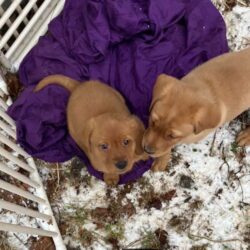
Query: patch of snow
[[89, 197], [221, 215]]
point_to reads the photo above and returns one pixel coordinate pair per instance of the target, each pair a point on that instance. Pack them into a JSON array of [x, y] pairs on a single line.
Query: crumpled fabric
[[123, 43]]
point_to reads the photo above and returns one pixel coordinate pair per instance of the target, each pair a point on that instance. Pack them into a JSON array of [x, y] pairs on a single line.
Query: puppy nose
[[121, 164], [149, 150]]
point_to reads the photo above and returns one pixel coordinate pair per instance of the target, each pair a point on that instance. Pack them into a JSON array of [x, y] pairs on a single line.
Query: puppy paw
[[144, 157], [243, 138], [111, 180], [158, 166], [161, 163]]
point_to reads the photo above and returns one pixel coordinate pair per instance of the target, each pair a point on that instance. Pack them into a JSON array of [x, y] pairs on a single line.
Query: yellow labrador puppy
[[102, 126], [186, 110]]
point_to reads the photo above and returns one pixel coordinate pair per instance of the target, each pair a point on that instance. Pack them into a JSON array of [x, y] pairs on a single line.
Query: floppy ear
[[137, 131], [207, 117], [162, 87], [87, 134]]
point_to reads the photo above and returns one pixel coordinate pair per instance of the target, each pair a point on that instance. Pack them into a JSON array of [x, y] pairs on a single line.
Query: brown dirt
[[42, 244], [14, 86]]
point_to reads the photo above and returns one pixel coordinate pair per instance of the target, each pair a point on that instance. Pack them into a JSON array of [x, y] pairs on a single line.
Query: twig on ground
[[193, 236], [97, 236], [131, 244], [225, 159], [211, 150], [19, 239], [58, 175], [242, 3], [234, 174]]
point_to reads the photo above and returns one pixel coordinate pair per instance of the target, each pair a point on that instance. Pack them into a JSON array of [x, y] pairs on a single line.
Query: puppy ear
[[162, 87], [87, 134], [207, 117], [137, 130]]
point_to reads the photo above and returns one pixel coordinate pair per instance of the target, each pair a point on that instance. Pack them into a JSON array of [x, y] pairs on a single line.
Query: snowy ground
[[201, 202]]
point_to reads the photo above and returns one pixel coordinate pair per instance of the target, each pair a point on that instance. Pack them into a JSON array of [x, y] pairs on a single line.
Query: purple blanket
[[124, 43]]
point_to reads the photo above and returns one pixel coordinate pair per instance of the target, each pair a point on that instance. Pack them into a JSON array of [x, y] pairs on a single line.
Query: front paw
[[111, 180], [143, 157], [158, 166], [161, 163]]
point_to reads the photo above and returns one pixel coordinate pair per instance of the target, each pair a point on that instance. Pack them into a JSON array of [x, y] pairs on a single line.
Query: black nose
[[121, 164], [149, 150]]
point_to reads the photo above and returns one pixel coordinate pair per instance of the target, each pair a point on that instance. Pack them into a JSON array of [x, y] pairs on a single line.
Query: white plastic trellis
[[22, 22]]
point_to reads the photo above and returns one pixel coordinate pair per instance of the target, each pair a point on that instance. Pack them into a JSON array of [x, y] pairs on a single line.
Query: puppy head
[[113, 142], [177, 113]]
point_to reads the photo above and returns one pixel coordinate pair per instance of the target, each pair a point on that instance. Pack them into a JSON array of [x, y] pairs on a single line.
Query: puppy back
[[64, 81]]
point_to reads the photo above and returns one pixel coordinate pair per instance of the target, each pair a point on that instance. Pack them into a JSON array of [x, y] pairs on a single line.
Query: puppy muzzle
[[149, 149]]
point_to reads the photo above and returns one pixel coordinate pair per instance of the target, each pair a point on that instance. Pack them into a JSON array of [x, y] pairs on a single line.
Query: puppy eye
[[125, 142], [104, 147]]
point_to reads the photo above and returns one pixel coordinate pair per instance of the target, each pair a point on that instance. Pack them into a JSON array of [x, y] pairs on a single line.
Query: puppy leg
[[142, 157], [243, 138], [160, 163], [111, 179]]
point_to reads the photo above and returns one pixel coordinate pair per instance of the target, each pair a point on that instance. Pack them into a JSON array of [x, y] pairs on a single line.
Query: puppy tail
[[66, 82]]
